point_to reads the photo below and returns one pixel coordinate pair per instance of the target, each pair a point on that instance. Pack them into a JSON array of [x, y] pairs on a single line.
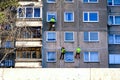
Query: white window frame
[[113, 19], [114, 57], [89, 54], [47, 36], [65, 56], [55, 56], [88, 13], [65, 36], [68, 1], [90, 1], [89, 40], [65, 20], [32, 13], [50, 1], [114, 40], [113, 4], [53, 13]]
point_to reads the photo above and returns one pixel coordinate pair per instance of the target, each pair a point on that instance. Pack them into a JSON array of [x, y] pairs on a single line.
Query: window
[[91, 36], [113, 2], [69, 57], [8, 44], [50, 15], [29, 12], [91, 57], [51, 36], [90, 17], [51, 1], [30, 32], [68, 0], [114, 58], [51, 57], [90, 1], [114, 20], [69, 36], [114, 39], [69, 16], [30, 53], [7, 27]]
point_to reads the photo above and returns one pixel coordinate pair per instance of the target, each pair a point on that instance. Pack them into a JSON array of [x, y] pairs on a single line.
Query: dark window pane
[[85, 16], [29, 12], [37, 12], [69, 36], [93, 17], [86, 36]]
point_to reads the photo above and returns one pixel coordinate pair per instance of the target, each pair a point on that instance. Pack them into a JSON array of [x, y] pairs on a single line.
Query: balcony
[[28, 63], [28, 0], [28, 43], [28, 23]]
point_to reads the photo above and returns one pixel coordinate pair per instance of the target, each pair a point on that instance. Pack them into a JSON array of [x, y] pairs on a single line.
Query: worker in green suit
[[78, 50], [63, 51], [52, 23]]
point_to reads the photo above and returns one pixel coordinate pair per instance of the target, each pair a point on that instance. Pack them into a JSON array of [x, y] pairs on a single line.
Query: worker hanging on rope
[[52, 23], [63, 51], [78, 50]]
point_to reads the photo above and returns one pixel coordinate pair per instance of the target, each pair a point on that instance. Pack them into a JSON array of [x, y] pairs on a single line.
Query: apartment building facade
[[114, 33], [79, 23], [29, 37]]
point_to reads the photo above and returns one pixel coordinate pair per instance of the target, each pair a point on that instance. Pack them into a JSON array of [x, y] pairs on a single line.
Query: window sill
[[90, 2], [69, 21], [114, 43], [51, 41], [90, 21], [114, 63], [113, 5], [92, 62], [51, 62], [68, 62], [69, 2], [51, 2], [114, 24], [69, 41], [91, 41]]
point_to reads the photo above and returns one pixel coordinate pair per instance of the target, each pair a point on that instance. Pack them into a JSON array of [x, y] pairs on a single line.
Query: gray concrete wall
[[78, 27], [99, 46], [59, 74]]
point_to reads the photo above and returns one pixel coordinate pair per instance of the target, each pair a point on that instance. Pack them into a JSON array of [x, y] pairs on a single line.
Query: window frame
[[89, 36], [47, 36], [51, 1], [55, 53], [88, 14], [113, 62], [72, 56], [65, 36], [51, 12], [24, 15], [114, 21], [22, 54], [114, 38], [68, 1], [89, 54], [91, 2], [112, 4], [34, 32], [65, 20]]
